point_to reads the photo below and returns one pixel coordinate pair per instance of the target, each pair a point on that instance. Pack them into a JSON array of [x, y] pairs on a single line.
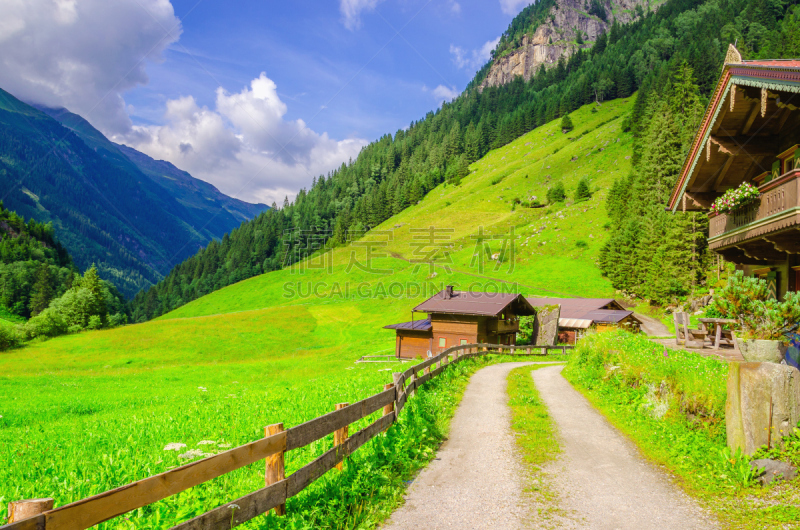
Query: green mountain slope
[[280, 346], [103, 208]]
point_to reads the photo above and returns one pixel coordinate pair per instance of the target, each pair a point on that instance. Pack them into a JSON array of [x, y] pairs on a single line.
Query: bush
[[48, 323], [749, 301], [9, 338], [557, 193], [95, 322], [581, 244]]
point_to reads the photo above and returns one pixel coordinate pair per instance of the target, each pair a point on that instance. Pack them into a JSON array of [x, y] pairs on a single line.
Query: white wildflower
[[206, 442], [224, 446], [175, 446], [234, 507], [191, 453], [202, 389]]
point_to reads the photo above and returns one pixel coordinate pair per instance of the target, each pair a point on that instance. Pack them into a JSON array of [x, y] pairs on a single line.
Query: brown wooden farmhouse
[[750, 133], [577, 315], [461, 317]]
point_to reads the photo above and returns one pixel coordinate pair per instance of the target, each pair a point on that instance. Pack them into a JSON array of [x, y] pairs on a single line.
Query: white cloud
[[473, 59], [443, 93], [244, 146], [351, 11], [512, 7], [455, 7], [83, 55]]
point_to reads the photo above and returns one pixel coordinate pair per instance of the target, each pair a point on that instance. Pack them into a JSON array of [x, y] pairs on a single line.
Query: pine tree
[[43, 290], [566, 124], [582, 191]]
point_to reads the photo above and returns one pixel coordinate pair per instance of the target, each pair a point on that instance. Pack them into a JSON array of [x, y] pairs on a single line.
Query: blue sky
[[256, 97]]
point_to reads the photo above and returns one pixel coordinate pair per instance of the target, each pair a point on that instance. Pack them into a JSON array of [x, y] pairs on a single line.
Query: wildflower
[[206, 442], [202, 389], [224, 446], [175, 446], [191, 453], [234, 507]]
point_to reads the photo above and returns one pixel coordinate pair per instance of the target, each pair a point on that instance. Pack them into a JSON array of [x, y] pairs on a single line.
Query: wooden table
[[718, 322]]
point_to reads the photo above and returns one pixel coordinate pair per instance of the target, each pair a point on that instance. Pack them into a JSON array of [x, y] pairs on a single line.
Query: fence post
[[340, 435], [275, 471], [389, 409], [427, 369], [19, 510]]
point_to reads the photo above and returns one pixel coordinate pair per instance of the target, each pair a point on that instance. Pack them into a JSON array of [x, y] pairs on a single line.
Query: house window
[[463, 342], [442, 342]]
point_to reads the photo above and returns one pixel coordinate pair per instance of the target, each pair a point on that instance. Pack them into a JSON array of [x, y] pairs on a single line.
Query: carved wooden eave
[[752, 88]]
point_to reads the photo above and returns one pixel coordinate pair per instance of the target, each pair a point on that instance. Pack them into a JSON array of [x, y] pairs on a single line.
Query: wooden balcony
[[764, 231], [503, 326]]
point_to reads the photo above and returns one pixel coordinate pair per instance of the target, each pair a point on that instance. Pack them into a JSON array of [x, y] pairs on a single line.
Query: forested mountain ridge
[[102, 207], [549, 30], [202, 200], [397, 170]]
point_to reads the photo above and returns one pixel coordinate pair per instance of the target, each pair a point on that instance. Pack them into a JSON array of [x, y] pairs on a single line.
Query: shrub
[[9, 338], [95, 322], [48, 323], [581, 244], [749, 301]]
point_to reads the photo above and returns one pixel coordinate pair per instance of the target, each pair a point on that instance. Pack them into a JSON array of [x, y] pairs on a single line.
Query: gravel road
[[600, 480], [603, 481], [476, 480]]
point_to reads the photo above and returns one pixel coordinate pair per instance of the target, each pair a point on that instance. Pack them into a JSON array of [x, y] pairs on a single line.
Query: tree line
[[42, 293], [651, 253], [396, 171]]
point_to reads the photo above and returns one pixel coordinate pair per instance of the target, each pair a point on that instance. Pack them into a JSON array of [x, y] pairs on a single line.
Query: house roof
[[715, 140], [474, 303], [576, 307], [414, 325], [580, 313]]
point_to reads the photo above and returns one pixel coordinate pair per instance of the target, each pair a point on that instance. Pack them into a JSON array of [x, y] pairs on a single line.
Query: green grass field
[[81, 414]]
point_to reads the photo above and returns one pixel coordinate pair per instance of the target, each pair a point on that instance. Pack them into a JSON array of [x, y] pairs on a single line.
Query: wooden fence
[[38, 514]]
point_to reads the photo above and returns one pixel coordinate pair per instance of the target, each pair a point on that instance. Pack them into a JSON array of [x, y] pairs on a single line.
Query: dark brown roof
[[472, 303], [415, 325], [576, 307], [607, 315]]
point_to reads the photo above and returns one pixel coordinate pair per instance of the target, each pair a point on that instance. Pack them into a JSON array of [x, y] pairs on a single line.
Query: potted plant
[[764, 321], [735, 198]]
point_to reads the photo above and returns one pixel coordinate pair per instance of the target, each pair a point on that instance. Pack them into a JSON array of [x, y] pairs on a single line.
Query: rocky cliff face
[[557, 37]]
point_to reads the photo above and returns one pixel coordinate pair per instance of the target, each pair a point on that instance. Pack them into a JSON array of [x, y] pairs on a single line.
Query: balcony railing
[[777, 196]]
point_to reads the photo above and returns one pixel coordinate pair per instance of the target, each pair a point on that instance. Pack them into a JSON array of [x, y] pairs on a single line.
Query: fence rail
[[88, 512]]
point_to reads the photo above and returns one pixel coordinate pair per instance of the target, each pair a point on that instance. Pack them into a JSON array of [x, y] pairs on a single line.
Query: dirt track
[[477, 480], [601, 477]]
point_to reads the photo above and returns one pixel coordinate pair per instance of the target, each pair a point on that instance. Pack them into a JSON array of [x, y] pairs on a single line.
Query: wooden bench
[[693, 338]]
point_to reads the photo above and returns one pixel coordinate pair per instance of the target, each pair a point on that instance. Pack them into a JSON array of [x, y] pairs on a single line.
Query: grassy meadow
[[83, 413]]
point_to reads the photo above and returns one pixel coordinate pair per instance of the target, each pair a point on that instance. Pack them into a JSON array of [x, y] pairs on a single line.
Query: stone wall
[[763, 405]]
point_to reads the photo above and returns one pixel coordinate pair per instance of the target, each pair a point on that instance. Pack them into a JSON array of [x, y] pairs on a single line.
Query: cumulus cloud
[[244, 146], [512, 7], [351, 11], [473, 59], [83, 55], [443, 93]]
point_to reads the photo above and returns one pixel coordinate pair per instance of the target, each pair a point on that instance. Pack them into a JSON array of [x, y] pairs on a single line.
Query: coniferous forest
[[672, 57]]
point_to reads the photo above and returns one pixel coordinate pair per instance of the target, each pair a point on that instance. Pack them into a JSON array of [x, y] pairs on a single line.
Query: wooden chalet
[[460, 317], [750, 133], [580, 314]]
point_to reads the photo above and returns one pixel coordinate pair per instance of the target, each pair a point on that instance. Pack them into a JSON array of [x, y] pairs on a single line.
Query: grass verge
[[672, 406], [536, 438]]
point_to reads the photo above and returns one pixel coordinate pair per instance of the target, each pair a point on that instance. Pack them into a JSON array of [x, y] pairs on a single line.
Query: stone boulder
[[768, 470], [763, 405], [545, 327]]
